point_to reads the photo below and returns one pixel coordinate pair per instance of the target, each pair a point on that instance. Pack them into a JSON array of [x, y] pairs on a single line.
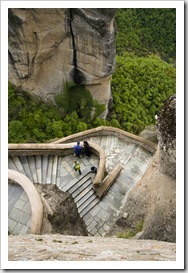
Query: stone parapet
[[108, 181], [107, 130]]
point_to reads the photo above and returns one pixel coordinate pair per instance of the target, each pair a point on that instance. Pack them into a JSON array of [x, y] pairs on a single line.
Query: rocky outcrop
[[57, 247], [48, 47], [60, 212], [153, 199], [166, 127]]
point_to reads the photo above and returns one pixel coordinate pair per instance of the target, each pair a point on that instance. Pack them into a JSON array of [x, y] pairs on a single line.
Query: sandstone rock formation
[[48, 47]]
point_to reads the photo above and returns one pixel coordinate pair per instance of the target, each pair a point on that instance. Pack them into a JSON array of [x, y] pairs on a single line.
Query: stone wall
[[48, 47]]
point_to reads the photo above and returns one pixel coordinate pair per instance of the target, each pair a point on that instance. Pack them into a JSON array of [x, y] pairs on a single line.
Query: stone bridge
[[120, 157]]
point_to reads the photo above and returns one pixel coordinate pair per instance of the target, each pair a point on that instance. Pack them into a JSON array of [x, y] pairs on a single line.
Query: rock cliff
[[153, 199], [166, 127], [48, 47]]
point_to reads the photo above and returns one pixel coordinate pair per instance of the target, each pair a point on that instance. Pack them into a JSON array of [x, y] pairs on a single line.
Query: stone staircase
[[98, 214], [82, 192]]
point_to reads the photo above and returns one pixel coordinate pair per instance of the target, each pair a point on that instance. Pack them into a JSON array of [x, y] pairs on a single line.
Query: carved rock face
[[50, 46], [166, 127]]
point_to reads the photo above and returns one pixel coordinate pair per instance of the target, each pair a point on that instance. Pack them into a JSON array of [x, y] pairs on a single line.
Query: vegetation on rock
[[129, 233], [31, 120]]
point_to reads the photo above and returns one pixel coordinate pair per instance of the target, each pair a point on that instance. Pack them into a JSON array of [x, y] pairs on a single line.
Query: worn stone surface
[[50, 46], [60, 212], [150, 133], [57, 247], [166, 127]]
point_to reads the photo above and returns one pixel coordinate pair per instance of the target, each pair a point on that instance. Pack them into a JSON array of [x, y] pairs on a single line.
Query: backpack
[[77, 166]]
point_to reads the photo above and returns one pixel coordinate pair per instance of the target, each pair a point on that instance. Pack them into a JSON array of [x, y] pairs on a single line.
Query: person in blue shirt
[[78, 150]]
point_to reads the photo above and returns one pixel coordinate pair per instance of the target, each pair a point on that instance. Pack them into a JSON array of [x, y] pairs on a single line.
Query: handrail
[[107, 130]]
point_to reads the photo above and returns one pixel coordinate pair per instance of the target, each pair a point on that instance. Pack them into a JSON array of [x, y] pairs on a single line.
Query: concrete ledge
[[34, 199], [107, 130], [108, 181], [42, 149]]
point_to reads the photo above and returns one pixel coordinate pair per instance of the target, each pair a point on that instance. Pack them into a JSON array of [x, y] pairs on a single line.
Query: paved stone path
[[19, 210], [98, 214]]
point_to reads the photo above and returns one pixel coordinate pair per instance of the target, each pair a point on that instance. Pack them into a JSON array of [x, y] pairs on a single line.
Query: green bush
[[140, 85], [147, 30]]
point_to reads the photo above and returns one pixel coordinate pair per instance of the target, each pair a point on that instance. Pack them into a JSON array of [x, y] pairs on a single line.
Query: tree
[[140, 86]]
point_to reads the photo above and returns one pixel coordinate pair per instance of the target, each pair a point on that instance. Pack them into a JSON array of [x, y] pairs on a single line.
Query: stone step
[[81, 191], [49, 169], [80, 183], [85, 196], [38, 168], [87, 203], [74, 181], [89, 207], [78, 187], [58, 178], [32, 166], [44, 166], [54, 169], [18, 164], [11, 164], [25, 164]]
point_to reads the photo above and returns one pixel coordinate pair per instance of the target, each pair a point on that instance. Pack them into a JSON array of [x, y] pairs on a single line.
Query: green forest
[[144, 78]]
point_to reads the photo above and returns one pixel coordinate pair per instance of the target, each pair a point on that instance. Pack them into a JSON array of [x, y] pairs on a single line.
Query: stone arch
[[34, 199]]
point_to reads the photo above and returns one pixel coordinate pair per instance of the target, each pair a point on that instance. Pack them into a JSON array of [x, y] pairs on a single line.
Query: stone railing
[[108, 181], [59, 149], [105, 131], [65, 145]]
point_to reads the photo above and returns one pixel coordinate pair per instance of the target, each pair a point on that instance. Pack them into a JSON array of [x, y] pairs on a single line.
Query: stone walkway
[[98, 214], [19, 210]]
